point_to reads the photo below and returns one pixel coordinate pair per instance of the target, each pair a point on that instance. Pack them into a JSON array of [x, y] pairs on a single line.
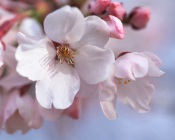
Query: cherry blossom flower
[[19, 110], [73, 49], [129, 81], [20, 113]]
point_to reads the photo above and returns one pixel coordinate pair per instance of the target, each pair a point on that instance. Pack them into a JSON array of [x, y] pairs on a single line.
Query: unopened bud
[[139, 17], [116, 9], [74, 111], [98, 6]]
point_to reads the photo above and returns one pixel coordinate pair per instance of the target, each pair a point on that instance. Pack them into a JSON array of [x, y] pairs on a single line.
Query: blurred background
[[159, 122]]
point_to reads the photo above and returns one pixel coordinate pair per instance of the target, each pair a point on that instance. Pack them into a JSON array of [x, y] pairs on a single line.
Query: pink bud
[[116, 9], [115, 27], [98, 6], [74, 111], [139, 17]]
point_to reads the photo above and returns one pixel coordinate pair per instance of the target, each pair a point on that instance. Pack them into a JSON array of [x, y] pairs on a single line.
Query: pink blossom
[[20, 113], [129, 81]]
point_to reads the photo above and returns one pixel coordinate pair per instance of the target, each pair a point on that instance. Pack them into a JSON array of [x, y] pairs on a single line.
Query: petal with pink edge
[[131, 66], [115, 27]]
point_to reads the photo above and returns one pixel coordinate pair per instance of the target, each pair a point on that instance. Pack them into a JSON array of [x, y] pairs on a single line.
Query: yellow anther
[[65, 54]]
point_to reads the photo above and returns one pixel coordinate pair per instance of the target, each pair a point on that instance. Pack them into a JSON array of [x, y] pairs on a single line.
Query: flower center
[[65, 54], [123, 81]]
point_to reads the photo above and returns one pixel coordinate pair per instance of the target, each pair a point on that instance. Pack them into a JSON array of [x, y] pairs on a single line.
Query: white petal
[[108, 95], [25, 43], [154, 70], [32, 28], [154, 58], [107, 89], [92, 63], [59, 89], [65, 25], [109, 109], [131, 66], [154, 64], [96, 33], [23, 39], [137, 94], [35, 62]]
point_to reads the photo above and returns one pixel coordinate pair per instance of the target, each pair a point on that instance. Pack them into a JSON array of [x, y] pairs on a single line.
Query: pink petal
[[28, 109], [74, 111], [131, 66], [115, 27], [13, 80], [50, 114], [10, 107]]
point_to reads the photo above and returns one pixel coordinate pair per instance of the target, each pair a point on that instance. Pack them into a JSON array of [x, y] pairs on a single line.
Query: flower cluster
[[53, 56]]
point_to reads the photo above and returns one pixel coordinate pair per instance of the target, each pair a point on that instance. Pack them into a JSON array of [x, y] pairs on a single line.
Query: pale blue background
[[159, 123]]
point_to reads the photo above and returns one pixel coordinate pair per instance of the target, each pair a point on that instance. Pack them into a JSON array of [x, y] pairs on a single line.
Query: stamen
[[122, 81], [65, 54]]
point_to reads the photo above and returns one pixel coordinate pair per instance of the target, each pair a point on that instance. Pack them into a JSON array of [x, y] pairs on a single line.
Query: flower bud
[[74, 111], [116, 9], [115, 27], [139, 17], [98, 6]]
